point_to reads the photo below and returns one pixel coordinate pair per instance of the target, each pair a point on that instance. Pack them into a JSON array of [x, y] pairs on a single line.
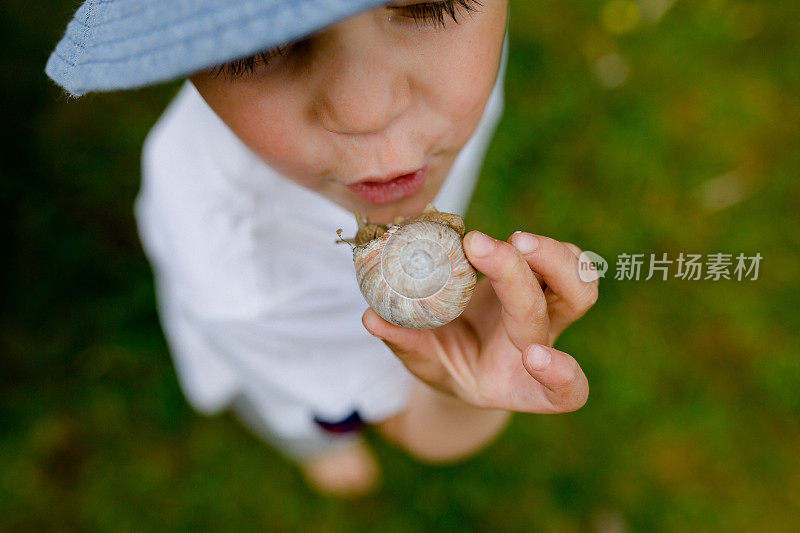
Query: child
[[347, 105]]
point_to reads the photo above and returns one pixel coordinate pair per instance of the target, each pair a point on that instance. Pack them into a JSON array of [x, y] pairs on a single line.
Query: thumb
[[563, 382], [418, 349]]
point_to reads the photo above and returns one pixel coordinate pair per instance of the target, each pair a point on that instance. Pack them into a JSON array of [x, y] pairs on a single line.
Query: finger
[[558, 264], [524, 306], [564, 384], [416, 348], [561, 313], [574, 249]]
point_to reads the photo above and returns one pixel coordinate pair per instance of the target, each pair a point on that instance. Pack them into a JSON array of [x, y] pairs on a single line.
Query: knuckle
[[538, 314], [580, 398], [591, 294], [575, 372], [576, 390], [576, 251], [566, 254], [585, 299], [569, 376]]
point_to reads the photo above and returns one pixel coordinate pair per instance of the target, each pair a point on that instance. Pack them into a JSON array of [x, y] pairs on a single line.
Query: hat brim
[[116, 44]]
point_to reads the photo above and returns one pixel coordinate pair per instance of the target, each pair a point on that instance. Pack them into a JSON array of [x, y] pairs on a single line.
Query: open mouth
[[384, 192]]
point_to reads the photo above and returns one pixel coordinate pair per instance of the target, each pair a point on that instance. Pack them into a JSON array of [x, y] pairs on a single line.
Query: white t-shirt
[[254, 296]]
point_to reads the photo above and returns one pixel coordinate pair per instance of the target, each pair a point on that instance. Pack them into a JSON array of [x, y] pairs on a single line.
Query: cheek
[[274, 127], [465, 80], [470, 86], [272, 131]]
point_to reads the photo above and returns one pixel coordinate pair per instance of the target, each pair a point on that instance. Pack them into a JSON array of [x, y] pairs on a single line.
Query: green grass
[[693, 422]]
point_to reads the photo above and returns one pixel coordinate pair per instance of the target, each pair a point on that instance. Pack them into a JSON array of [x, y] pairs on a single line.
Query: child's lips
[[384, 192]]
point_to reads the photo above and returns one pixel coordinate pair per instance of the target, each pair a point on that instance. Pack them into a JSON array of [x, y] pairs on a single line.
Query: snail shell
[[415, 275]]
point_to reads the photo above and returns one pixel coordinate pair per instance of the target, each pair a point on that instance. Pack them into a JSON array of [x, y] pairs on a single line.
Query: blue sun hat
[[124, 44]]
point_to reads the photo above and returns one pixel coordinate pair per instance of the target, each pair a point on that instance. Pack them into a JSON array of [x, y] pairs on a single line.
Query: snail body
[[414, 273]]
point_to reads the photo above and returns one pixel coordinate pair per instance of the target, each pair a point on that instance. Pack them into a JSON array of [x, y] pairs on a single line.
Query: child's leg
[[345, 471], [439, 428], [340, 465]]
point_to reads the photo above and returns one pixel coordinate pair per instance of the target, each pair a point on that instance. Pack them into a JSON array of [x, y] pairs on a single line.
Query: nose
[[364, 87]]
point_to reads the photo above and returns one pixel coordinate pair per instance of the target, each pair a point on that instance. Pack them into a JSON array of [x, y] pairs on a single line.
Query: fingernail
[[538, 357], [481, 244], [525, 242]]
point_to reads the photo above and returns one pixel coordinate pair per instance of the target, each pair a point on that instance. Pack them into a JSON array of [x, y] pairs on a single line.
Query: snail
[[414, 273]]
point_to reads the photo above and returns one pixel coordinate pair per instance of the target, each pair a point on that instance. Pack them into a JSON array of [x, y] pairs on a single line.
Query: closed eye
[[436, 13], [427, 13]]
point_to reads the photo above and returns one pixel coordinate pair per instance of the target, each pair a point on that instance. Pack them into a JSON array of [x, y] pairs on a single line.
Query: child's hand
[[498, 353]]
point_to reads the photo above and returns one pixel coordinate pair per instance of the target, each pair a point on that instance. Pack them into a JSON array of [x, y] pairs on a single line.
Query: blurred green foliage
[[631, 127]]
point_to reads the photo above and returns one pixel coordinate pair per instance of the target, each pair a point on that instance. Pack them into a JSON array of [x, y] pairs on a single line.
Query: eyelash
[[429, 13], [247, 65], [433, 13]]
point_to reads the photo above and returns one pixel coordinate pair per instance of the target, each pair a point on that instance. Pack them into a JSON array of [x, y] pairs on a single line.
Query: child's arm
[[439, 428], [485, 362]]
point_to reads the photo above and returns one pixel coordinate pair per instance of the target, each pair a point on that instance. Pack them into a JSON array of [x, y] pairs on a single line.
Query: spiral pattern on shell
[[415, 275]]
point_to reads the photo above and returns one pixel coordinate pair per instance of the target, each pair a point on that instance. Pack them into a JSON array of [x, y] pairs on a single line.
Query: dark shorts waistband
[[350, 424]]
